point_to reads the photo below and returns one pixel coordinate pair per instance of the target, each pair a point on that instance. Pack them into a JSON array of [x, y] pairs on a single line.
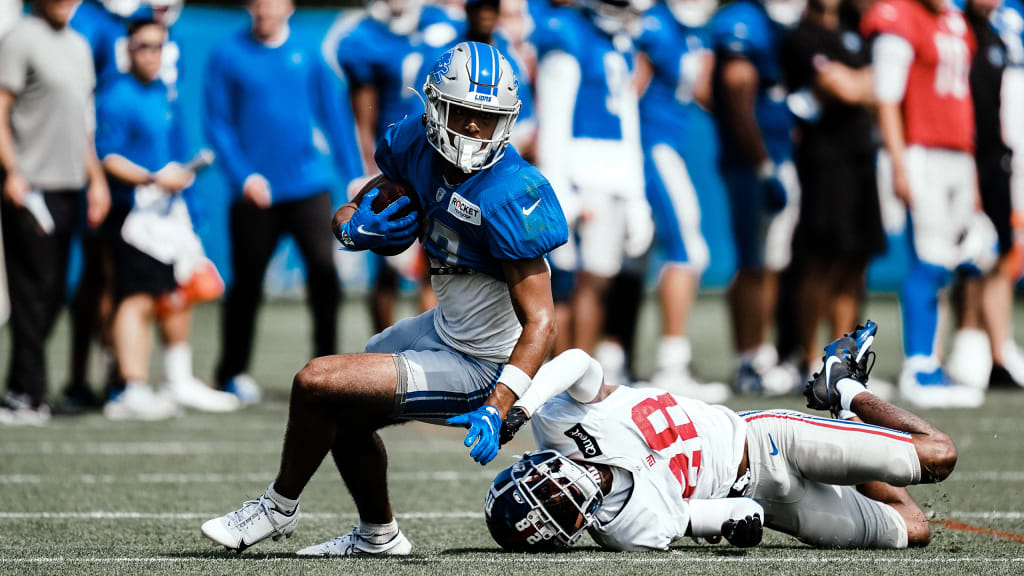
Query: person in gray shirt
[[47, 160]]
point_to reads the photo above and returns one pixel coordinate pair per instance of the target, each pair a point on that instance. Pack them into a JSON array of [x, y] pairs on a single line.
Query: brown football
[[388, 192]]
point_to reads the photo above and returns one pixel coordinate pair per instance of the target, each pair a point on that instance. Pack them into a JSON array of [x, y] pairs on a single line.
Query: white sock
[[848, 389], [178, 362], [286, 505], [673, 353], [378, 533]]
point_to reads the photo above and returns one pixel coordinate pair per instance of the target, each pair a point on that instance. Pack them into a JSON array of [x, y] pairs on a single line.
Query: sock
[[178, 362], [378, 533], [285, 505], [848, 389], [673, 353]]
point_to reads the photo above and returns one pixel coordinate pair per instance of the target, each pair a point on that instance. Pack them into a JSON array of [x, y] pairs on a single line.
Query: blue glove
[[484, 425], [367, 229]]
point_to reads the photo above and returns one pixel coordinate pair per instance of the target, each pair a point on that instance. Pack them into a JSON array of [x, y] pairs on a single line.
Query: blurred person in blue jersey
[[381, 53], [486, 218], [154, 244], [104, 24], [588, 146], [266, 93], [48, 164], [757, 168], [679, 166], [827, 69]]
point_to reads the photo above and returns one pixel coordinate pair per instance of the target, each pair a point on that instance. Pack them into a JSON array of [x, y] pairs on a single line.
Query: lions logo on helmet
[[476, 76], [542, 503]]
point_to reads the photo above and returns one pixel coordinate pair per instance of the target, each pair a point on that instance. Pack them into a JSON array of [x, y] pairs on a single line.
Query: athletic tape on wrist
[[516, 380]]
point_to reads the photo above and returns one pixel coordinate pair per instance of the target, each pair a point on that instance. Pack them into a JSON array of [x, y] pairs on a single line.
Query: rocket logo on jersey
[[464, 209], [584, 441]]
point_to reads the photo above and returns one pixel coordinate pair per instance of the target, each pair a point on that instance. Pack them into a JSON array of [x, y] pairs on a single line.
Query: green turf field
[[87, 496]]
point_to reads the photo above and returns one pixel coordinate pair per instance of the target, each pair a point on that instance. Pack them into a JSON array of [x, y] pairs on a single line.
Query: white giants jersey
[[674, 447]]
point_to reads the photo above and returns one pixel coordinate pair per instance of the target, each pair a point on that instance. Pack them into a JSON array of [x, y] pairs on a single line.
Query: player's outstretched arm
[[935, 449], [529, 283]]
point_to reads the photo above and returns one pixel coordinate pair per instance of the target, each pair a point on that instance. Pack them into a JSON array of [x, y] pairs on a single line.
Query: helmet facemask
[[554, 501], [459, 79]]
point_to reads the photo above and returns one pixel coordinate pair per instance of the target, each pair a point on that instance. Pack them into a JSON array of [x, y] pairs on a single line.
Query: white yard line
[[669, 558], [129, 515], [218, 478]]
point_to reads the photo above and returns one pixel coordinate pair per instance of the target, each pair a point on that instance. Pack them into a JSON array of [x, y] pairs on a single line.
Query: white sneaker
[[782, 379], [139, 403], [685, 385], [970, 358], [925, 388], [245, 388], [17, 410], [1013, 361], [194, 394], [612, 359], [354, 544], [254, 522]]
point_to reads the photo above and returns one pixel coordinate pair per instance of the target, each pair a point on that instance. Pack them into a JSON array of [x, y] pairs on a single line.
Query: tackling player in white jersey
[[640, 468]]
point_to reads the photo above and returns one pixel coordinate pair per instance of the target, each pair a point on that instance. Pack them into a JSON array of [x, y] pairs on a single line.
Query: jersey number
[[444, 237], [616, 73], [667, 428], [951, 74]]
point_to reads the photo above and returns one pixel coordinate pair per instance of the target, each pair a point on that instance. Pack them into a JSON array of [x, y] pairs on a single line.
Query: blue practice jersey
[[105, 32], [606, 68], [134, 120], [676, 53], [368, 52], [505, 212], [263, 105], [743, 29]]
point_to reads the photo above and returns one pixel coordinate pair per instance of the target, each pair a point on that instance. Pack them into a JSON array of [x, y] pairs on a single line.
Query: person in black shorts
[[826, 66]]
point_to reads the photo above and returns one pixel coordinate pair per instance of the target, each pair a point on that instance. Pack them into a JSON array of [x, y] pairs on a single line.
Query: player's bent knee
[[311, 381], [938, 459]]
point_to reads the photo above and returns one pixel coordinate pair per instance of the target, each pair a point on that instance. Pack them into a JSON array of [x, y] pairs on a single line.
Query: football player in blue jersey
[[756, 164], [381, 53], [588, 145], [487, 219], [679, 166]]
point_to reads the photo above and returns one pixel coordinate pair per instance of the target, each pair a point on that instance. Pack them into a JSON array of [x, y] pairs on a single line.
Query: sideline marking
[[965, 527]]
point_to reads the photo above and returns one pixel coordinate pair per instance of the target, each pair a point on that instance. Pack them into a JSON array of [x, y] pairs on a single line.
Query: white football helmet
[[401, 16], [169, 10], [476, 76], [692, 13], [616, 16], [123, 8], [785, 12]]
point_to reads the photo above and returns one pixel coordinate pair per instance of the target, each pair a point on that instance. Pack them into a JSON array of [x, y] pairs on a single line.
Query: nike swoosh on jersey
[[528, 211], [775, 450], [365, 232]]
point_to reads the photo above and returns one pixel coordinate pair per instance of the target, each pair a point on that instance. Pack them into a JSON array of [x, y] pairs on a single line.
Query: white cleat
[[932, 388], [254, 522], [194, 394], [354, 544], [140, 403], [782, 379], [1013, 361]]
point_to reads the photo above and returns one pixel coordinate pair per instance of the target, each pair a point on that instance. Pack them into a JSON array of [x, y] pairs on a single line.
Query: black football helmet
[[542, 503]]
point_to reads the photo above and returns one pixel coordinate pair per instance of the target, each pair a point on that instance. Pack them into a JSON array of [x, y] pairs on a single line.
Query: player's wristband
[[516, 380]]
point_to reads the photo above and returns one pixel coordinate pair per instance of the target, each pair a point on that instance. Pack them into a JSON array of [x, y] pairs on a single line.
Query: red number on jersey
[[685, 468]]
